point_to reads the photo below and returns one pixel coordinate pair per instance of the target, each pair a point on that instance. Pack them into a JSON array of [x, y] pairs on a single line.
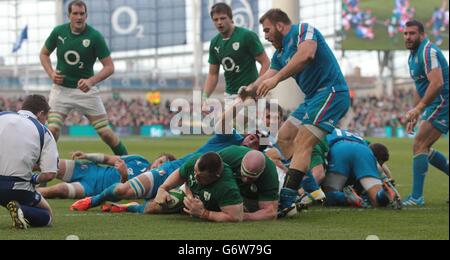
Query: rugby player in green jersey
[[78, 46]]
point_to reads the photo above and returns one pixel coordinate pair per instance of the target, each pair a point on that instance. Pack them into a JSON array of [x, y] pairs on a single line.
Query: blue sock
[[137, 208], [107, 195], [420, 169], [382, 198], [37, 217], [335, 198], [309, 184], [439, 161]]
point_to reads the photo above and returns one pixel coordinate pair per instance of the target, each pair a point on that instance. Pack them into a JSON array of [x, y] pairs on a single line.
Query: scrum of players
[[233, 177]]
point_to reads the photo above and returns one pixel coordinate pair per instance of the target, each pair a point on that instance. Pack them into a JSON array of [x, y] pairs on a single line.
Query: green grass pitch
[[430, 222]]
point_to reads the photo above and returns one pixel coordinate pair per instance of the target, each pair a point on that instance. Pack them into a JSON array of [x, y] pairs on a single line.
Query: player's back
[[20, 144], [343, 135]]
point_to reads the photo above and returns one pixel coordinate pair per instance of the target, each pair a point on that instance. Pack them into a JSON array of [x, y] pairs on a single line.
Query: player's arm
[[107, 70], [173, 181], [250, 90], [48, 162], [231, 213], [306, 53], [267, 211], [434, 88], [46, 63], [263, 59], [211, 80], [96, 157]]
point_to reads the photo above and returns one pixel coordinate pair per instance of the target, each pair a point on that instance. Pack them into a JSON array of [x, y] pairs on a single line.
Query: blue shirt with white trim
[[422, 61], [323, 72]]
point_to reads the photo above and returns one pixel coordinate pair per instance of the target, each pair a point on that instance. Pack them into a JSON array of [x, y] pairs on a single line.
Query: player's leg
[[333, 186], [135, 188], [286, 137], [63, 191], [319, 116], [60, 106], [101, 125], [69, 189], [92, 107], [28, 209], [426, 137]]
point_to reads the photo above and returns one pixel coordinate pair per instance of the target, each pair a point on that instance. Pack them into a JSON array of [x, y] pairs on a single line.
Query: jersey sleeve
[[51, 41], [268, 185], [430, 59], [306, 32], [213, 59], [254, 45], [101, 49], [49, 155]]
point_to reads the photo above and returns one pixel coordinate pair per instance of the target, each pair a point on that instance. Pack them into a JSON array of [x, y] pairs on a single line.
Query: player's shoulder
[[93, 32], [65, 27]]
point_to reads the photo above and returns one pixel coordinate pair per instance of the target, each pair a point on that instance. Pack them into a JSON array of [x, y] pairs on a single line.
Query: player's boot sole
[[17, 217]]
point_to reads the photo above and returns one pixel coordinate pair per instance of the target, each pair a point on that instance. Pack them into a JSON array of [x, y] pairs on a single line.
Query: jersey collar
[[27, 113]]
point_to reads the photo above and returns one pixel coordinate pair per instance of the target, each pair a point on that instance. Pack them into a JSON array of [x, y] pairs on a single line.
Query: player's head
[[38, 105], [253, 164], [222, 16], [274, 115], [208, 168], [251, 141], [77, 13], [163, 158], [274, 22], [413, 34], [381, 152]]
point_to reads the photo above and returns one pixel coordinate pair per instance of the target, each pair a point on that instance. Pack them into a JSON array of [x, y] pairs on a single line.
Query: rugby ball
[[176, 203]]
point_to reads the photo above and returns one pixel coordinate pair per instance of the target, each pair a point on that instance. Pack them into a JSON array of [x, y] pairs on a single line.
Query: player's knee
[[122, 190], [420, 146]]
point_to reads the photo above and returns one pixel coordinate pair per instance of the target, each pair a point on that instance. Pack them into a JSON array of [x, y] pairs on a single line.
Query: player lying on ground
[[89, 174], [351, 157]]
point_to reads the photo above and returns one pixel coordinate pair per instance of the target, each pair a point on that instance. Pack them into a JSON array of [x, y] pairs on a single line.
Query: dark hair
[[280, 109], [221, 8], [417, 24], [211, 167], [36, 104], [77, 3], [170, 157], [381, 152], [275, 16]]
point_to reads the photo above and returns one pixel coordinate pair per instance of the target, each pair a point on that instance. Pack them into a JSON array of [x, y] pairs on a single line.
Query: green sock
[[120, 149]]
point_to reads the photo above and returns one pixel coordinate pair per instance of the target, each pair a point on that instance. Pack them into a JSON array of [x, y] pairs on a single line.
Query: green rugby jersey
[[265, 188], [223, 192], [237, 57], [76, 54]]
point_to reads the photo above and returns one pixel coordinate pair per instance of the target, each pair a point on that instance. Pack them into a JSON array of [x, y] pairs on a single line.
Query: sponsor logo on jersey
[[236, 46], [86, 43], [62, 39], [206, 196], [217, 49]]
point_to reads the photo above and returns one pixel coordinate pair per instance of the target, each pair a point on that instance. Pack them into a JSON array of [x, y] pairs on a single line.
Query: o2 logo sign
[[132, 27], [242, 12]]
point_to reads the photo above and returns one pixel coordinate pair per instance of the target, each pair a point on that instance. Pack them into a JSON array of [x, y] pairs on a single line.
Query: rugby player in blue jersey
[[303, 54], [429, 70]]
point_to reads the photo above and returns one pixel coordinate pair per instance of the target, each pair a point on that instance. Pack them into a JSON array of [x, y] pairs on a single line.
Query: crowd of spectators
[[366, 113]]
